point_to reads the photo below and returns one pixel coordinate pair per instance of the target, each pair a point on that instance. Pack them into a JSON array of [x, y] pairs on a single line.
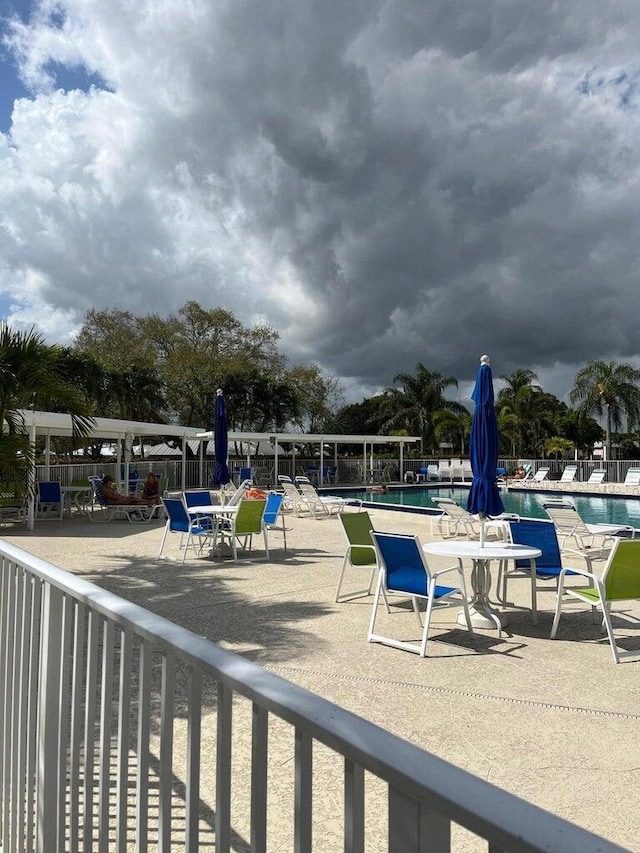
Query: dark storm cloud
[[382, 182]]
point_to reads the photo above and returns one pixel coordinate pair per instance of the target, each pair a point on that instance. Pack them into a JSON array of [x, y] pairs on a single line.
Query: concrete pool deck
[[554, 722]]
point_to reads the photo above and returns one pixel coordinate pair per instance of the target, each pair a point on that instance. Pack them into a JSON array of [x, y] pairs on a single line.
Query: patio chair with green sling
[[361, 552], [243, 524], [620, 581]]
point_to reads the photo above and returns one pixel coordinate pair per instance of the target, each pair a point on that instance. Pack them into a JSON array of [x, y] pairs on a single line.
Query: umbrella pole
[[482, 520]]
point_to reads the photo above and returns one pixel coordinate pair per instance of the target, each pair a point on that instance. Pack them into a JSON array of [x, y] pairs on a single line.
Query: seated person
[[519, 473], [151, 489], [111, 496]]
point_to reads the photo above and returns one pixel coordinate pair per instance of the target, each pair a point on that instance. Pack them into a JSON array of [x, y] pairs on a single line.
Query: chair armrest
[[587, 556], [582, 572], [437, 574]]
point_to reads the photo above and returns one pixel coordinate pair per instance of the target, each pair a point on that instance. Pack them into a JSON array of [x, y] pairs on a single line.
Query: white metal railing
[[120, 730]]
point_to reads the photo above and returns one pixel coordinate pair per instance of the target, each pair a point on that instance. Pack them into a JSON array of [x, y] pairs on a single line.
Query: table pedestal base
[[483, 616], [480, 610]]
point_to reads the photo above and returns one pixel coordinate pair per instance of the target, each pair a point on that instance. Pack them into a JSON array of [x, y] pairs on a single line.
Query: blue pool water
[[594, 510]]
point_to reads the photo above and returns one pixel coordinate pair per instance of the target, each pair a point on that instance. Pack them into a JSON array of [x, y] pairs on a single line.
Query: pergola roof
[[315, 438], [57, 423]]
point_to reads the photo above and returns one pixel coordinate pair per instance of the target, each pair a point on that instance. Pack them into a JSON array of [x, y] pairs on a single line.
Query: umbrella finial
[[484, 359], [219, 392]]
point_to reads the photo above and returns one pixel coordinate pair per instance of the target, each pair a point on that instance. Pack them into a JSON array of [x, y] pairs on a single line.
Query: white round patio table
[[483, 615]]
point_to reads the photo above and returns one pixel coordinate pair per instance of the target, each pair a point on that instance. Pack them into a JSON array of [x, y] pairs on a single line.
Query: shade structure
[[221, 469], [484, 495]]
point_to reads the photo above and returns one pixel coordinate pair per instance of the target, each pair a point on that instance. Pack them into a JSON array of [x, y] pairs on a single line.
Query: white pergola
[[296, 438], [50, 424]]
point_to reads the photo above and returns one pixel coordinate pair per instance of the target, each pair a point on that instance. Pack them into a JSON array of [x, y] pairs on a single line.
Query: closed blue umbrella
[[484, 496], [221, 471]]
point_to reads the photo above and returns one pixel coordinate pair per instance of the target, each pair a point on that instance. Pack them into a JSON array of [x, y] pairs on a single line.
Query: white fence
[[121, 731]]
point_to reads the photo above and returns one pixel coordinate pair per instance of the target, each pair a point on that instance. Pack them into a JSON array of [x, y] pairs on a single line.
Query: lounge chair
[[453, 518], [536, 479], [293, 499], [631, 483], [569, 525], [100, 511], [567, 476], [319, 505], [445, 471], [233, 496], [596, 478]]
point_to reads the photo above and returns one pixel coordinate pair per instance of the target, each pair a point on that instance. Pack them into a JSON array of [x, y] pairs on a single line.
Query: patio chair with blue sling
[[404, 571], [179, 521], [199, 497], [542, 535], [49, 503], [620, 581], [273, 519]]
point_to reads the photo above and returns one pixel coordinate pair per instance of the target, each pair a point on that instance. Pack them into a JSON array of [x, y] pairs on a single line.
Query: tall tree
[[199, 350], [610, 389], [115, 339], [412, 406]]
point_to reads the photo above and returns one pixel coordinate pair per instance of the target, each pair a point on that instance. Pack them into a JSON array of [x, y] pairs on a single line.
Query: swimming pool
[[594, 510]]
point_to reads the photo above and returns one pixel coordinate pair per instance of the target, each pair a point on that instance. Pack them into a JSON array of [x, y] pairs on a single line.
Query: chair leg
[[416, 609], [164, 537], [427, 621], [467, 614], [534, 593], [612, 640], [342, 571], [374, 609], [556, 618]]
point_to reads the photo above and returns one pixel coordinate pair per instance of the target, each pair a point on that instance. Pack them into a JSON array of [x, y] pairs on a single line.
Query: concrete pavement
[[555, 722]]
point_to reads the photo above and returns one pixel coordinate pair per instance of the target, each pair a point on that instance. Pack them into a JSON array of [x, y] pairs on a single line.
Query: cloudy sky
[[382, 181]]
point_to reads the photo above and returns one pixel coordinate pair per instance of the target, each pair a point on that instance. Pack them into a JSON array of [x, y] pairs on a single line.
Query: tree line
[[531, 422], [167, 370]]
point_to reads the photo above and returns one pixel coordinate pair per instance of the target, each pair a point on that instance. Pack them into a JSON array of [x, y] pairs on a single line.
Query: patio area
[[554, 722]]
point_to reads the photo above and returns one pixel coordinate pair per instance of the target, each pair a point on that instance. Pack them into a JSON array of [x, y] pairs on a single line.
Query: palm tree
[[413, 406], [33, 375], [611, 389], [452, 425], [519, 404]]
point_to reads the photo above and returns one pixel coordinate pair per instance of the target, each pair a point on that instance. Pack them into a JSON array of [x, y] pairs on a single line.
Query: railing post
[[49, 797], [414, 828]]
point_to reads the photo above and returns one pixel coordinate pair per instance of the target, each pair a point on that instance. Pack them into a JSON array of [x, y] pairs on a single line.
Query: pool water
[[594, 510]]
